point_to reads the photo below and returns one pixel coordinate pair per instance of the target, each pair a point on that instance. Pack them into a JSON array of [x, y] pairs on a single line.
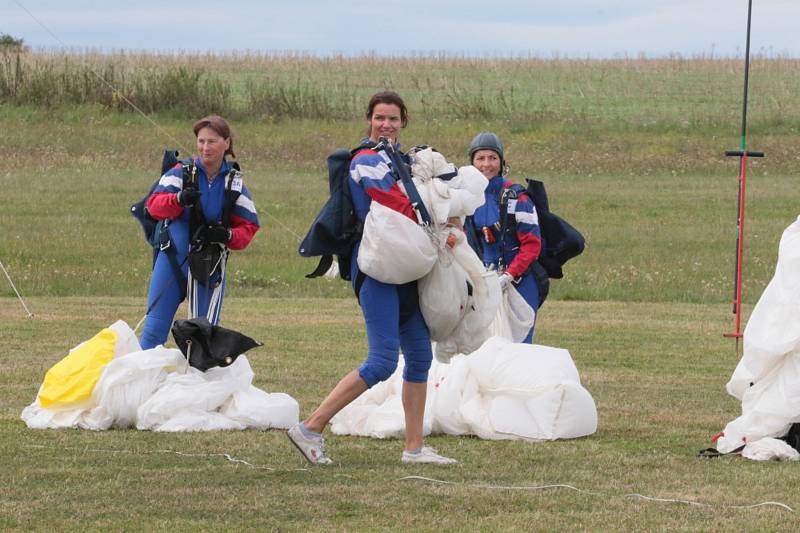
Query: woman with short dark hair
[[513, 245]]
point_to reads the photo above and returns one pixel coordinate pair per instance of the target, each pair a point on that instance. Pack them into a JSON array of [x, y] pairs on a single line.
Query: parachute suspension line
[[284, 226], [107, 83], [150, 120], [30, 315]]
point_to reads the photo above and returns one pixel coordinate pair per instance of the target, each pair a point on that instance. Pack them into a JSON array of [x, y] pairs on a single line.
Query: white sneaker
[[312, 448], [427, 455]]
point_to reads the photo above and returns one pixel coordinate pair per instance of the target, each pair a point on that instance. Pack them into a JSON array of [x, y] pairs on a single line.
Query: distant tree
[[9, 42]]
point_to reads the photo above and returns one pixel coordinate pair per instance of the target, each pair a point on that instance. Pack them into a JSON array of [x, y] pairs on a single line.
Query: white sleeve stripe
[[171, 181], [246, 203], [527, 218], [370, 172]]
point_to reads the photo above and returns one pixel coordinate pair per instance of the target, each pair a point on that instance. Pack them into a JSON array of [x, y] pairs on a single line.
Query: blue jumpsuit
[[521, 244], [391, 312], [166, 291]]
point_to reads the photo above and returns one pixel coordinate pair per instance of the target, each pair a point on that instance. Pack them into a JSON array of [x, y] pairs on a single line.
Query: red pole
[[742, 153], [737, 300]]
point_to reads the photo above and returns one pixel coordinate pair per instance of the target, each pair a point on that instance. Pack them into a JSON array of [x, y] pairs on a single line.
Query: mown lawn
[[631, 152], [656, 371]]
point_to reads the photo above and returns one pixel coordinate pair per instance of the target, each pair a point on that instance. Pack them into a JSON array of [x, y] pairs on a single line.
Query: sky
[[565, 28]]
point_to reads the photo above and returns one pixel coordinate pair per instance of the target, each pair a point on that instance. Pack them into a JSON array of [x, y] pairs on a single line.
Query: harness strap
[[231, 195], [505, 196], [408, 183], [324, 265]]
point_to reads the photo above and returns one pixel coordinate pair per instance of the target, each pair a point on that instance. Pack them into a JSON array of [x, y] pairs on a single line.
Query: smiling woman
[[205, 210], [391, 310]]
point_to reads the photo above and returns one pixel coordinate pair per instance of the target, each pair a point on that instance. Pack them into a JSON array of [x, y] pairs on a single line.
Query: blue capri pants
[[388, 332]]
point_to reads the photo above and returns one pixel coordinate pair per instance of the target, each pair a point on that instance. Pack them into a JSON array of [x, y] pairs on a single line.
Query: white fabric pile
[[446, 193], [767, 379], [156, 390], [459, 298], [504, 390]]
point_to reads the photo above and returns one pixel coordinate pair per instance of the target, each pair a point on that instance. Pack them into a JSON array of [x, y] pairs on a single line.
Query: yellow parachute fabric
[[72, 379]]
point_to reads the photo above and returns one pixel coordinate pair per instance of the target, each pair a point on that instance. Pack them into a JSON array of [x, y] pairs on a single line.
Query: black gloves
[[212, 233], [188, 196]]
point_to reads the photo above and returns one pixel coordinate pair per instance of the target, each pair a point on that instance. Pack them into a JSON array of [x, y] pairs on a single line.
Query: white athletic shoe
[[312, 448], [427, 455]]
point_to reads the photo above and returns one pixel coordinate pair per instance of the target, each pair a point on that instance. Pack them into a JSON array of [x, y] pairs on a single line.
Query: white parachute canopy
[[767, 379], [504, 390], [109, 381]]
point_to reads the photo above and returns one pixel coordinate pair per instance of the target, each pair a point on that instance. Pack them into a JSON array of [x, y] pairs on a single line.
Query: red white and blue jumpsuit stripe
[[522, 243]]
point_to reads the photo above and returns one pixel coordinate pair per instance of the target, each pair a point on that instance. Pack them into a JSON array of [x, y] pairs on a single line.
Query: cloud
[[507, 27]]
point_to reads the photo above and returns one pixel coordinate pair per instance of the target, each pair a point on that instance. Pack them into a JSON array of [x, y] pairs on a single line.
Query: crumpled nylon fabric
[[767, 378], [157, 390], [504, 390]]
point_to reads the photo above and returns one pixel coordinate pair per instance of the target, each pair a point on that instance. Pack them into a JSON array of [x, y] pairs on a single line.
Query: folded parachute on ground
[[504, 390], [109, 381]]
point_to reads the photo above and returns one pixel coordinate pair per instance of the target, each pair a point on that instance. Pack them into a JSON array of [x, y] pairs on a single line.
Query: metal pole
[[742, 154]]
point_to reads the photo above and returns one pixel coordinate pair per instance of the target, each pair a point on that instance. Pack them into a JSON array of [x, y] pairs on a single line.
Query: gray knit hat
[[486, 140]]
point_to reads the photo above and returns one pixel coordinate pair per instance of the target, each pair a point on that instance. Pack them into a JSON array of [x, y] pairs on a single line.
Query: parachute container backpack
[[561, 241], [336, 228]]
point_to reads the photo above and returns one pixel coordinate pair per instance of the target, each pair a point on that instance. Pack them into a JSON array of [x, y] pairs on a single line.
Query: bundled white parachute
[[767, 379], [445, 191], [394, 248], [108, 381], [458, 297], [503, 390], [515, 317], [473, 312]]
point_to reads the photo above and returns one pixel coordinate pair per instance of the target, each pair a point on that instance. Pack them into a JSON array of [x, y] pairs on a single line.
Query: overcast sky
[[575, 28]]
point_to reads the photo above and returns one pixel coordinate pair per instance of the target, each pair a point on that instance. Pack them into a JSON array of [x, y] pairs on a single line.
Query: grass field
[[656, 371], [631, 153]]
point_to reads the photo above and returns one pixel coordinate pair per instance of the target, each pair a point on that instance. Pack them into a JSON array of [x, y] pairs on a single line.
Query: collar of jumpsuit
[[223, 169]]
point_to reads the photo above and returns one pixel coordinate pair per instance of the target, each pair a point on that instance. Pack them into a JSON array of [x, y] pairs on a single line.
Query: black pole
[[746, 76]]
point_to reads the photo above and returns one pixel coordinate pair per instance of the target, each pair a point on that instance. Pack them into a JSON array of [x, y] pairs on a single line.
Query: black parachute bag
[[336, 228], [207, 346], [560, 240]]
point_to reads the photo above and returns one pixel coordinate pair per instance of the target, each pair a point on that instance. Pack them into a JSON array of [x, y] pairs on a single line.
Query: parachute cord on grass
[[700, 504], [227, 456], [570, 487], [30, 315]]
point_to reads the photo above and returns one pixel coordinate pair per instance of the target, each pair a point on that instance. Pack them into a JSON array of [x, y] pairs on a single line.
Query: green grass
[[656, 371], [654, 233], [631, 152]]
